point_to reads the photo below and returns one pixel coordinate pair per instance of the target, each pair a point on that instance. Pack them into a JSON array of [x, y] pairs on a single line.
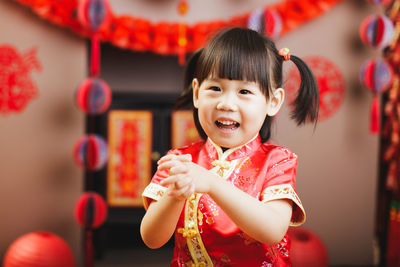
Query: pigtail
[[306, 104], [186, 98]]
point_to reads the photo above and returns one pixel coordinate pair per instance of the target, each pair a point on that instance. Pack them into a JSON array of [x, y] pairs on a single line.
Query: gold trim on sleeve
[[286, 191], [153, 191]]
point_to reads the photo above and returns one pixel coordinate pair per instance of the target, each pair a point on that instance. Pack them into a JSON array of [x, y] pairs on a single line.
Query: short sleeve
[[154, 191], [280, 182]]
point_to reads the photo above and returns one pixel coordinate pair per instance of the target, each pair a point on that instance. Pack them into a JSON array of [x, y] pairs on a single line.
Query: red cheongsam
[[205, 235]]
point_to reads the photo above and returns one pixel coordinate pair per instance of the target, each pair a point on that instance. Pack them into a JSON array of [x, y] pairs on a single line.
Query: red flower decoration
[[16, 85], [330, 83]]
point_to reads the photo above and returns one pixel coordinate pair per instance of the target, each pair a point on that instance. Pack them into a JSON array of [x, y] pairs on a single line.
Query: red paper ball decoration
[[376, 75], [267, 22], [307, 249], [91, 152], [377, 31], [273, 23], [90, 210], [94, 15], [93, 96], [39, 249]]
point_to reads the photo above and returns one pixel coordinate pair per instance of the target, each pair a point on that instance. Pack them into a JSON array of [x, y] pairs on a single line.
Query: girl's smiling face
[[231, 112]]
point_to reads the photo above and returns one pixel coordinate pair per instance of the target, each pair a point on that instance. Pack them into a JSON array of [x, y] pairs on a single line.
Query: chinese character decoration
[[330, 81], [17, 88]]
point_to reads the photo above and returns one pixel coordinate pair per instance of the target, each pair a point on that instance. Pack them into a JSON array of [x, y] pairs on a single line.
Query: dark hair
[[243, 54]]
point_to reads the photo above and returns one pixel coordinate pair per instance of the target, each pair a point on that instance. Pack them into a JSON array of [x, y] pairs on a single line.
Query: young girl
[[230, 199]]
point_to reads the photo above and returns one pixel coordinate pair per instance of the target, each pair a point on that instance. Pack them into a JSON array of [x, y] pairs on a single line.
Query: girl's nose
[[227, 103]]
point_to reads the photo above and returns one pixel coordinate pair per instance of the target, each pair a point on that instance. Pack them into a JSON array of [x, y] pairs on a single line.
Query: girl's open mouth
[[229, 125]]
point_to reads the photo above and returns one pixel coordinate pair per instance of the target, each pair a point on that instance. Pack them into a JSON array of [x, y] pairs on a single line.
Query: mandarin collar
[[214, 151]]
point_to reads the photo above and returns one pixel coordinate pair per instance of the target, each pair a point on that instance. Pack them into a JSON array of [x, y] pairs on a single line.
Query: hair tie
[[284, 52]]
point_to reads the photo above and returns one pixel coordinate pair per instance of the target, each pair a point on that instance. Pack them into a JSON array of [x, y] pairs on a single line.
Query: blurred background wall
[[338, 161]]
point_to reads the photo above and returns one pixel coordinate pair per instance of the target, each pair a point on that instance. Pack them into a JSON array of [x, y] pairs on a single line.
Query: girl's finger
[[181, 193], [183, 158], [166, 158], [169, 180], [178, 169], [167, 165]]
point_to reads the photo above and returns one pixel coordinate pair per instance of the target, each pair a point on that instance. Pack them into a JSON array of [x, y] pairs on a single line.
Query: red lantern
[[90, 213], [90, 210], [93, 96], [95, 16], [39, 249], [307, 249], [377, 31], [91, 152], [376, 75]]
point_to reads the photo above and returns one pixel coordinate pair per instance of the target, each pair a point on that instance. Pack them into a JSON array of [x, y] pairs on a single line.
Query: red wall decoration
[[330, 83], [129, 164], [183, 129], [16, 85]]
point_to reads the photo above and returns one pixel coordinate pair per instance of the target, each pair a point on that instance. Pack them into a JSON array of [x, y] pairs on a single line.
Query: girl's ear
[[275, 101], [195, 86]]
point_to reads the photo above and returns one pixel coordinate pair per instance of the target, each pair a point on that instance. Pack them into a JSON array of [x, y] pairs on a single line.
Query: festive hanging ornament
[[273, 23], [330, 81], [377, 31], [90, 210], [140, 34], [94, 16], [91, 152], [90, 213], [377, 76], [265, 21], [39, 249], [93, 96], [182, 32], [256, 20], [16, 85]]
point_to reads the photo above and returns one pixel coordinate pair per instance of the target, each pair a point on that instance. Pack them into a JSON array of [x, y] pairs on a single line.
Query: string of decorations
[[376, 74], [177, 38], [390, 138], [93, 97]]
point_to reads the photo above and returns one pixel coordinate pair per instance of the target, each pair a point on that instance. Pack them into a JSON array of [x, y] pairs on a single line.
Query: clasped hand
[[185, 177]]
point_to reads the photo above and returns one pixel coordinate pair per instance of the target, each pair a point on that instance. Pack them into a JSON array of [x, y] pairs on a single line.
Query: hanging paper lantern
[[39, 249], [377, 31], [273, 23], [377, 76], [90, 210], [93, 96], [307, 249], [256, 20], [267, 22], [91, 152], [94, 15]]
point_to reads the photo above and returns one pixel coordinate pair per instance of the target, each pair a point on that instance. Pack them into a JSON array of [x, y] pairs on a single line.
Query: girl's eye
[[215, 88], [244, 92]]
